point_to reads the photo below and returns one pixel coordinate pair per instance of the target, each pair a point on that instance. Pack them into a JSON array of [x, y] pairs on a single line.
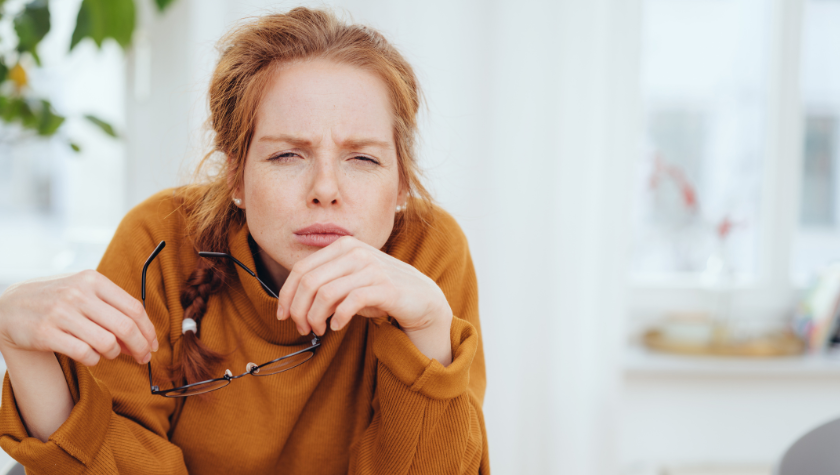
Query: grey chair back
[[13, 468], [815, 453]]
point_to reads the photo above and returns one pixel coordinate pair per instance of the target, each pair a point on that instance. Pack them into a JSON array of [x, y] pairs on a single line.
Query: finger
[[123, 327], [357, 300], [330, 295], [287, 292], [115, 296], [73, 348], [102, 341], [310, 283]]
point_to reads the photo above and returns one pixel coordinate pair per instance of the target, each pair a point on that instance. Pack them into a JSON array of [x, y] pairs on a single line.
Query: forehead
[[314, 98]]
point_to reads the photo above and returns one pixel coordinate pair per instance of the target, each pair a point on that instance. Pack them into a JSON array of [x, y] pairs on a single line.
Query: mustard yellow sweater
[[368, 402]]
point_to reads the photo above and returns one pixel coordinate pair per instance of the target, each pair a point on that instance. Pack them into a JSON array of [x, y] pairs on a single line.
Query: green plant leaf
[[75, 147], [5, 103], [106, 127], [4, 70], [48, 120], [101, 19], [31, 25], [13, 109], [163, 4], [42, 119]]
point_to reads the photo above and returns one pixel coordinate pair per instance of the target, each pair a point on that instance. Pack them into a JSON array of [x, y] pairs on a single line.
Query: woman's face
[[322, 154]]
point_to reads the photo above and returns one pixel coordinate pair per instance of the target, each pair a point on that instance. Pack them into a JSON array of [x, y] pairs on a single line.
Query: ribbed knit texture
[[369, 402]]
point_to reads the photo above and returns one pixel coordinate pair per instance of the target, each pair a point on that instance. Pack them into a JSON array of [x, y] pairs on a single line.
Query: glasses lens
[[198, 388], [285, 364]]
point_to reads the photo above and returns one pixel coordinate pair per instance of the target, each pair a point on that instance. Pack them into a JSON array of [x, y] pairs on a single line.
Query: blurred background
[[650, 189]]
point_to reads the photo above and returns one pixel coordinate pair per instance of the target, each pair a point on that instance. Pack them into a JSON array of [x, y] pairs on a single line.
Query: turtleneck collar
[[257, 308]]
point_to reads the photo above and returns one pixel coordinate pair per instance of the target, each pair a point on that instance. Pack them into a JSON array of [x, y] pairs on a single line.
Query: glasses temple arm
[[157, 250], [243, 266], [154, 254]]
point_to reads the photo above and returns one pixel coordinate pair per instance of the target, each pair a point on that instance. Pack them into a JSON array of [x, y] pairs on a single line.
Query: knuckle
[[360, 254], [90, 357], [124, 327], [79, 351], [299, 267], [89, 277], [72, 296], [296, 315], [356, 297], [58, 317], [325, 295], [109, 344], [136, 308], [308, 282], [55, 312]]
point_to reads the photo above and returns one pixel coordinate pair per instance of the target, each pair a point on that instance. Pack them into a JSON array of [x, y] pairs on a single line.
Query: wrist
[[433, 339]]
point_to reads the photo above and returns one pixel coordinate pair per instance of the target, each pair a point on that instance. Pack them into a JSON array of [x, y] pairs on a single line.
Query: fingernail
[[334, 324], [155, 345], [300, 330], [147, 358], [279, 313]]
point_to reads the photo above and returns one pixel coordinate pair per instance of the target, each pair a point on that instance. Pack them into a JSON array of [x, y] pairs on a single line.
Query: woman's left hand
[[349, 277]]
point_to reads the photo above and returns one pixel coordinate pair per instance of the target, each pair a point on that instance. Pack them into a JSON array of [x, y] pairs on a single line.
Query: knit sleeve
[[427, 418], [116, 424]]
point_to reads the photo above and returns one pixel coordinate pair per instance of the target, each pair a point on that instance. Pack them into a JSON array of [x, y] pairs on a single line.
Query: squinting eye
[[282, 156], [366, 159]]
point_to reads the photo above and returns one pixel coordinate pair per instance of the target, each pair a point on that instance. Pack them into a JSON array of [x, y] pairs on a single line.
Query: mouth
[[320, 234]]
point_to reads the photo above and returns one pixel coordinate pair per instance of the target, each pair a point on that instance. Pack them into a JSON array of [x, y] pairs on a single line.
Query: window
[[818, 238], [704, 92]]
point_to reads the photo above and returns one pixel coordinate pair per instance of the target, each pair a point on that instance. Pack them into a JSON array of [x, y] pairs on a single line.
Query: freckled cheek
[[270, 202], [378, 214]]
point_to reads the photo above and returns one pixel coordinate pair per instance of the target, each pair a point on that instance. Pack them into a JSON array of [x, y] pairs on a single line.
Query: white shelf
[[640, 362]]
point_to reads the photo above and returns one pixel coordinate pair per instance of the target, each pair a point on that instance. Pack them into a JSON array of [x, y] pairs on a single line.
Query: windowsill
[[640, 362], [685, 281]]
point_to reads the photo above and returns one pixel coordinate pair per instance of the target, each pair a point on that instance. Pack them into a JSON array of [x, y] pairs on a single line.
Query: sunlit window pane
[[818, 239], [817, 207], [704, 74]]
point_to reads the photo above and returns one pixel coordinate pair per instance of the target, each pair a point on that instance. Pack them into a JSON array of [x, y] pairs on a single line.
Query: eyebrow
[[351, 142]]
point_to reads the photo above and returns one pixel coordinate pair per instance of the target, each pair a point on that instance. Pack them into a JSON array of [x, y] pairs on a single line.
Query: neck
[[273, 274]]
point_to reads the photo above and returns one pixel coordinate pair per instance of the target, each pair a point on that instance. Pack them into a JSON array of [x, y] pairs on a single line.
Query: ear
[[236, 188], [402, 196]]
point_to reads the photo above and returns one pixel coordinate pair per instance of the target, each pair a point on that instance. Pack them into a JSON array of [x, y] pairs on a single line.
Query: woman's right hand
[[83, 316]]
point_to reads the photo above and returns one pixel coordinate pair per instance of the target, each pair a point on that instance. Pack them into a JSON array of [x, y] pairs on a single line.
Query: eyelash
[[281, 156]]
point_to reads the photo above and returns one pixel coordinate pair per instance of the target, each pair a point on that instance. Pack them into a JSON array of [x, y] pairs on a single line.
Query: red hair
[[250, 54]]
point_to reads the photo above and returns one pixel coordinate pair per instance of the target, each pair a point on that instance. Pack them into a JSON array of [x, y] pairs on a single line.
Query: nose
[[324, 189]]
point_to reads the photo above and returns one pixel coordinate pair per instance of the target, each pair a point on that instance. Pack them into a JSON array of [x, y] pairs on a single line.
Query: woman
[[317, 191]]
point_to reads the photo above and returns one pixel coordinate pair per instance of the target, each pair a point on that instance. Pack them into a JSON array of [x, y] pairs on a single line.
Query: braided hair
[[197, 360]]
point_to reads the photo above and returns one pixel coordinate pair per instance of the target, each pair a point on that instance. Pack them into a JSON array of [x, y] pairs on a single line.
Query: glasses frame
[[251, 368]]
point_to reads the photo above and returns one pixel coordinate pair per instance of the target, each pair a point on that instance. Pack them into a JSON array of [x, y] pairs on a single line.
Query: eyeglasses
[[284, 363]]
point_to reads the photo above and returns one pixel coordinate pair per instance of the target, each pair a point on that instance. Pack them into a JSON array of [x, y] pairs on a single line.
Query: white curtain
[[529, 141]]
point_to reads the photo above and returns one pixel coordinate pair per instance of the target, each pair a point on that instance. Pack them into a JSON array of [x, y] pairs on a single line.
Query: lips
[[325, 228], [320, 234]]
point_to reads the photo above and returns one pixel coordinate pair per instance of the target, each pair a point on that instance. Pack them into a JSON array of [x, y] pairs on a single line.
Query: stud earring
[[237, 202], [401, 208]]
